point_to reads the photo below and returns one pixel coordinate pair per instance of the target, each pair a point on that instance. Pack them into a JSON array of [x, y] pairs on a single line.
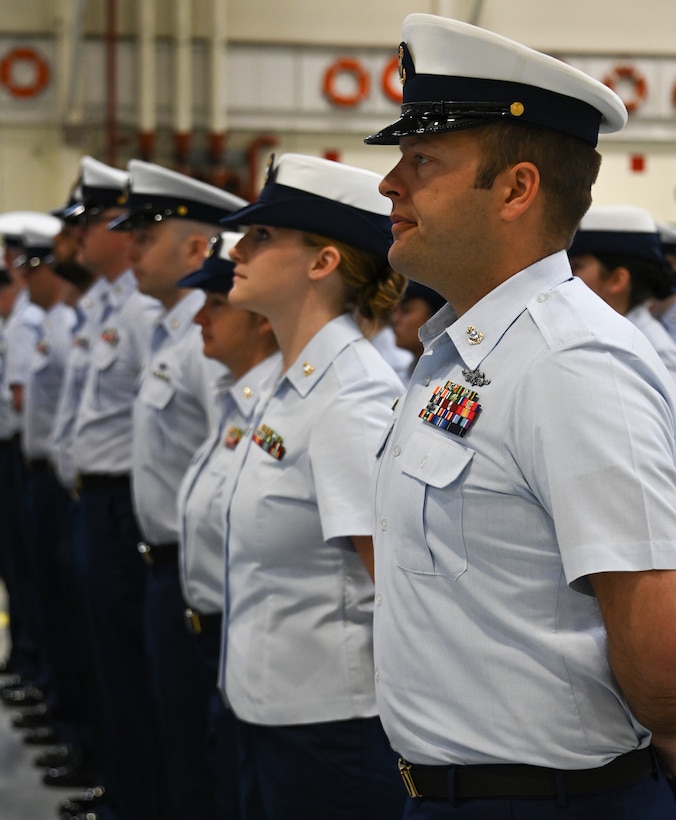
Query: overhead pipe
[[147, 73], [69, 76], [183, 83], [111, 81], [217, 74]]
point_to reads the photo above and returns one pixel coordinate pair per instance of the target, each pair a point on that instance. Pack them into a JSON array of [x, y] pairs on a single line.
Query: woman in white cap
[[617, 252], [297, 654], [245, 344]]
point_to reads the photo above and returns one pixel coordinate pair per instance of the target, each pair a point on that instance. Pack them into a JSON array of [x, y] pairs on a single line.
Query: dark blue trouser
[[16, 568], [116, 580], [181, 694], [222, 745], [49, 529], [344, 770], [650, 799]]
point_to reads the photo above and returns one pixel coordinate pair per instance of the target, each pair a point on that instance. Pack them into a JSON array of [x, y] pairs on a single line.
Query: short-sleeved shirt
[[535, 446], [300, 601], [174, 412], [45, 377], [200, 498], [668, 319], [657, 335], [103, 430], [91, 307], [18, 338]]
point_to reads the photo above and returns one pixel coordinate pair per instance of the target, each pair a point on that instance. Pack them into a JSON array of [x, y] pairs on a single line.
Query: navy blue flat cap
[[318, 195], [618, 230], [456, 75], [216, 274]]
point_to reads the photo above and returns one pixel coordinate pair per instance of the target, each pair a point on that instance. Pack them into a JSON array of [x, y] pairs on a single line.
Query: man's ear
[[618, 281], [195, 248], [518, 187]]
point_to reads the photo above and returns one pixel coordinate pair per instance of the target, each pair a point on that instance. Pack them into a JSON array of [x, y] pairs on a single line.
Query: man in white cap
[[171, 218], [18, 336], [93, 441], [526, 493], [617, 251]]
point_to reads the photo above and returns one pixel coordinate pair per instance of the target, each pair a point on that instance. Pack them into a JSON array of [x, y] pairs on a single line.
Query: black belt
[[97, 481], [197, 623], [158, 553], [38, 465], [516, 780]]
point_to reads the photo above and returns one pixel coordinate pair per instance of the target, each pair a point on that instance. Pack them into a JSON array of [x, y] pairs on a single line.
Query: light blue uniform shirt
[[20, 334], [299, 637], [92, 307], [45, 376], [657, 335], [102, 439], [668, 319], [174, 412], [200, 501], [486, 651]]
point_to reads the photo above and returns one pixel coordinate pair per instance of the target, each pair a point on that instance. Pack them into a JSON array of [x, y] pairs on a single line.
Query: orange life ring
[[637, 81], [41, 72], [390, 81], [346, 65]]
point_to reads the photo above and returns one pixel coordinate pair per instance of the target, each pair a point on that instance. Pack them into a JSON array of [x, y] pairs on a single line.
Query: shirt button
[[383, 524], [541, 297], [377, 674], [426, 381], [396, 451], [379, 599]]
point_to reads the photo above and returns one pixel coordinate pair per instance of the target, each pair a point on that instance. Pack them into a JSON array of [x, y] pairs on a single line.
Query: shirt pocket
[[434, 468], [155, 395]]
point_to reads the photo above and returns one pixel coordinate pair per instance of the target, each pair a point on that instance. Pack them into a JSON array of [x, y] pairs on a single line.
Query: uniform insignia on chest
[[110, 336], [476, 377], [233, 436], [161, 372], [452, 408], [270, 441]]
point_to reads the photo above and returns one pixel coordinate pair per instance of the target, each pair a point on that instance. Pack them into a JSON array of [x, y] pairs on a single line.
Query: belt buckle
[[407, 777], [146, 553], [192, 621]]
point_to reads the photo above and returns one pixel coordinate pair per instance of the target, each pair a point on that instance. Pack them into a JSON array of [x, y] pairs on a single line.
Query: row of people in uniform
[[255, 510]]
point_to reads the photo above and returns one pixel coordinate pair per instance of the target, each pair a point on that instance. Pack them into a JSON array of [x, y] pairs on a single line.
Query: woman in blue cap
[[297, 662], [245, 344]]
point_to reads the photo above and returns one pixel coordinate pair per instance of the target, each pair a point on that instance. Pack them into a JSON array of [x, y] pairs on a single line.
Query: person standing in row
[[617, 252], [297, 654], [245, 344], [526, 491], [170, 219], [101, 457]]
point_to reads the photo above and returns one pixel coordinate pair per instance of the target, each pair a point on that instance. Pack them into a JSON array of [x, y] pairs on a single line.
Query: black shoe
[[32, 716], [23, 695], [40, 736], [67, 776], [62, 755], [84, 801]]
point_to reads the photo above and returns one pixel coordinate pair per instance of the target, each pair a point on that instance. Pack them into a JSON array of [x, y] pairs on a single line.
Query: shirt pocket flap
[[434, 458], [157, 392]]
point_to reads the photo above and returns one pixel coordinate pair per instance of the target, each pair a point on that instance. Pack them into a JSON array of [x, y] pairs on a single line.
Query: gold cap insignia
[[516, 109], [402, 70], [182, 210]]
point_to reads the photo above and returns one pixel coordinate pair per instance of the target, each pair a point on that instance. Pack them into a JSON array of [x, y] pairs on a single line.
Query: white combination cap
[[157, 193], [456, 75]]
